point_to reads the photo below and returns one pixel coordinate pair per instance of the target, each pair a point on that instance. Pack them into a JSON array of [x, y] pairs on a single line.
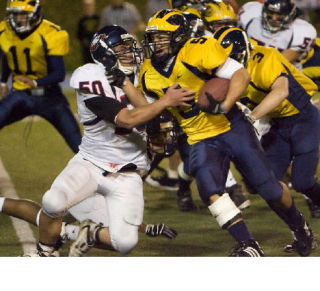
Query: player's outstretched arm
[[175, 96]]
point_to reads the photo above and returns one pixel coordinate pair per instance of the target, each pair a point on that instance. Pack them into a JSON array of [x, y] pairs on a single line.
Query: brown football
[[217, 87]]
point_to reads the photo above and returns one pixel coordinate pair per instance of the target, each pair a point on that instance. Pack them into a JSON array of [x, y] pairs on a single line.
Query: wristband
[[2, 84]]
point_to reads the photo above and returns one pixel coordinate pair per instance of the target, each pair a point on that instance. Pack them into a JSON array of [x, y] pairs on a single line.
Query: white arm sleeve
[[228, 69]]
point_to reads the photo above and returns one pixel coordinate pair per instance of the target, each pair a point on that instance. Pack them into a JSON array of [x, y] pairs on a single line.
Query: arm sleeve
[[104, 107], [56, 71], [5, 69]]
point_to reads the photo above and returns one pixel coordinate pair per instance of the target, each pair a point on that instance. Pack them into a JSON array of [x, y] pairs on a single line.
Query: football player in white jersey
[[112, 155], [275, 23]]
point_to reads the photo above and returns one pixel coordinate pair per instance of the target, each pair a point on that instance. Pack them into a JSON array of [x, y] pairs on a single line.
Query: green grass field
[[34, 161]]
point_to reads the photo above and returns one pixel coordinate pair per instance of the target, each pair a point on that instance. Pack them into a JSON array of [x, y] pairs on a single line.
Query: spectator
[[154, 5], [123, 14], [87, 26]]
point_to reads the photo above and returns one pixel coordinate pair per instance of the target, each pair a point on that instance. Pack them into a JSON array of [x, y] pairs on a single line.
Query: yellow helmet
[[30, 8], [235, 42], [195, 22], [218, 14], [170, 23]]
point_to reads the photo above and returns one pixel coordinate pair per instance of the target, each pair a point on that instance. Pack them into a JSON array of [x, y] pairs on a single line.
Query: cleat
[[85, 240], [250, 248], [184, 201], [238, 197], [163, 182], [303, 242], [293, 247], [314, 209]]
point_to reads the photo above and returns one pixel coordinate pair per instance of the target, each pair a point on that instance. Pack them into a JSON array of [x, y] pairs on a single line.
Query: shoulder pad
[[249, 11], [87, 73]]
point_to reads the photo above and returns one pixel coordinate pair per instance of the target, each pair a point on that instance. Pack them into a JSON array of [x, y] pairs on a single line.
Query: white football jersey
[[103, 143], [300, 35]]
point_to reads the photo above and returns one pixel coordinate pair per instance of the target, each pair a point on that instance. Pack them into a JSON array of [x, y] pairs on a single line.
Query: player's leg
[[252, 163], [305, 139], [20, 208], [15, 106], [75, 183], [184, 199], [209, 164], [125, 204], [61, 117], [124, 209]]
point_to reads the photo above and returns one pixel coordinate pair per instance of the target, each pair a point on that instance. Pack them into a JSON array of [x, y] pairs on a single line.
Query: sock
[[72, 231], [38, 218], [1, 202], [230, 180], [239, 231], [184, 185], [294, 217], [173, 174]]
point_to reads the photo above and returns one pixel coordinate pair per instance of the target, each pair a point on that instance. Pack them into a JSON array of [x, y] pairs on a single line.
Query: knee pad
[[54, 203], [126, 243], [225, 211]]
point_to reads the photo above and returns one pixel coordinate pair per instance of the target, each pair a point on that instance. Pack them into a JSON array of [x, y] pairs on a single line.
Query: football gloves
[[215, 107], [160, 229], [117, 78]]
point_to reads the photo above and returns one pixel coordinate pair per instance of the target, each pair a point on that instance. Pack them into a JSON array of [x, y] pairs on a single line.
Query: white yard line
[[21, 227]]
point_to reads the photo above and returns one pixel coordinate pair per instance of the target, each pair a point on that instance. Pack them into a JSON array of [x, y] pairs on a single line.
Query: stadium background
[[34, 154]]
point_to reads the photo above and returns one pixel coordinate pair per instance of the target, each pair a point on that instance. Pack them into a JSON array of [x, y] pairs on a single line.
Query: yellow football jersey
[[311, 64], [27, 56], [195, 63], [265, 65]]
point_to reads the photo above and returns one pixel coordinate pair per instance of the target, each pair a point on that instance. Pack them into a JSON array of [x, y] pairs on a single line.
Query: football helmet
[[218, 14], [165, 34], [162, 134], [23, 15], [235, 42], [113, 47], [195, 22], [278, 14]]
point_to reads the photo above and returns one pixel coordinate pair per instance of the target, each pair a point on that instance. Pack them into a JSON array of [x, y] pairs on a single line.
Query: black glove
[[160, 229], [215, 107], [116, 78]]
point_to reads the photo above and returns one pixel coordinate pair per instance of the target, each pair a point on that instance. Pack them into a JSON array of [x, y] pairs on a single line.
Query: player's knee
[[270, 190], [225, 211], [54, 202], [125, 244], [303, 185]]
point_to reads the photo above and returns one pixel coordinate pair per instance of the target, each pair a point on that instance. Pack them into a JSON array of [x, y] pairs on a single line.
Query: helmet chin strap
[[126, 70]]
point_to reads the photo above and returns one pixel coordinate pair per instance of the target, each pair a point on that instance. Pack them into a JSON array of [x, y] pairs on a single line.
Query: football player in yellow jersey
[[311, 64], [219, 134], [278, 90], [33, 50]]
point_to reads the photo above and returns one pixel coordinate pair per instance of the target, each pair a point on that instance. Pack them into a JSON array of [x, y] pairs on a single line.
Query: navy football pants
[[295, 139], [210, 162], [18, 104]]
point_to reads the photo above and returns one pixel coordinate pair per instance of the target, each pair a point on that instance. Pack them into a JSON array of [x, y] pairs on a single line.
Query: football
[[217, 87]]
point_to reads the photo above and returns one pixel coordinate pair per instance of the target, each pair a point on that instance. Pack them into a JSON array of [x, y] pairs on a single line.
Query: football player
[[219, 133], [278, 90], [217, 15], [275, 23], [112, 154], [33, 50]]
